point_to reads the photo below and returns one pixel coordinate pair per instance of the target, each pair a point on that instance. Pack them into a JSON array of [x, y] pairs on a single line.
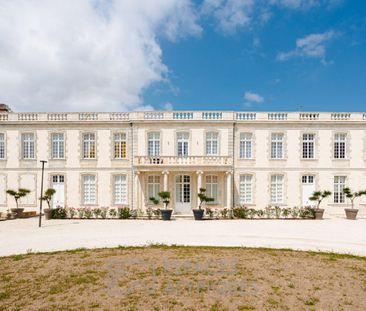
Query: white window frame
[[153, 187], [89, 141], [2, 146], [277, 146], [89, 189], [153, 144], [28, 146], [119, 145], [339, 184], [120, 189], [308, 146], [57, 146], [182, 144], [246, 189], [212, 143], [340, 146], [246, 145], [212, 188], [277, 189]]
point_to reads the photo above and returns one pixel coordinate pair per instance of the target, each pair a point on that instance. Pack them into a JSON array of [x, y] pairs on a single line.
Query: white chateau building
[[123, 159]]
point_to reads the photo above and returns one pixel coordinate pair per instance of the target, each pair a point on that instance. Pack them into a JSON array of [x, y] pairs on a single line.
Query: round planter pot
[[351, 213], [17, 212], [166, 214], [198, 214], [319, 213], [48, 214]]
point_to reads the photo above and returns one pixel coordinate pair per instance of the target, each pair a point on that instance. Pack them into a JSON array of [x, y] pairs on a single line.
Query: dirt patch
[[182, 278]]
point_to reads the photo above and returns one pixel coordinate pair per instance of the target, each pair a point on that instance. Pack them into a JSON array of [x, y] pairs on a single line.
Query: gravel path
[[337, 235]]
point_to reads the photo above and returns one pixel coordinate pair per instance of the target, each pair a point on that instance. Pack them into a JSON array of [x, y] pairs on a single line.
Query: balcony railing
[[189, 160], [183, 116]]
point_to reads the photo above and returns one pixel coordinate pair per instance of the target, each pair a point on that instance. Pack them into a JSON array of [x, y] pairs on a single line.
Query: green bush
[[58, 213], [241, 212], [124, 213]]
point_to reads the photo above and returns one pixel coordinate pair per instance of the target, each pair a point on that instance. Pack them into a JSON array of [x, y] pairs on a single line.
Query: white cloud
[[313, 45], [296, 4], [86, 54], [253, 98], [230, 14], [168, 106]]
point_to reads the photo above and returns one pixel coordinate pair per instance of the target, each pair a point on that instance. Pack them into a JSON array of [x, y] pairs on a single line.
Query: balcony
[[163, 161]]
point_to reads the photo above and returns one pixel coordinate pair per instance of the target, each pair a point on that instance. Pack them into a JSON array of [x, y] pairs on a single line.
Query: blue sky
[[216, 69], [123, 55]]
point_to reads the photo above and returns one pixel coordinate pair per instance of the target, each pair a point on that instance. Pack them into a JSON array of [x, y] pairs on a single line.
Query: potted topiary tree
[[203, 198], [47, 196], [319, 196], [166, 213], [351, 213], [22, 192]]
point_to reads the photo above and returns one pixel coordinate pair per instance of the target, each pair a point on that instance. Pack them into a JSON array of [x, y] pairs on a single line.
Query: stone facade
[[114, 159]]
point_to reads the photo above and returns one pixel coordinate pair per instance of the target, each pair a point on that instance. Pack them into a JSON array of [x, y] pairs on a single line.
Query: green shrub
[[124, 213], [88, 213], [241, 212], [112, 213], [58, 213]]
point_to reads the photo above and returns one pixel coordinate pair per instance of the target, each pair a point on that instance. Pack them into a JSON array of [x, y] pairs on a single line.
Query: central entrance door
[[183, 194], [308, 187], [58, 183]]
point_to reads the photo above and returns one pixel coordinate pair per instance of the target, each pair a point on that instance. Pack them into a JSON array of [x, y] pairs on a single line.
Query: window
[[340, 146], [120, 189], [28, 146], [277, 146], [2, 146], [308, 179], [58, 146], [120, 145], [89, 189], [277, 189], [245, 189], [153, 144], [246, 145], [89, 146], [308, 146], [212, 143], [339, 185], [153, 186], [212, 187], [182, 143]]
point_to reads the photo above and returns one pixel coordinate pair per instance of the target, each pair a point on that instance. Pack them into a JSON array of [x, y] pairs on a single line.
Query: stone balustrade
[[180, 161]]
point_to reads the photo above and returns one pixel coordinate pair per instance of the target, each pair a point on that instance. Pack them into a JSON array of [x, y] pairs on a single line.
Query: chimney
[[4, 108]]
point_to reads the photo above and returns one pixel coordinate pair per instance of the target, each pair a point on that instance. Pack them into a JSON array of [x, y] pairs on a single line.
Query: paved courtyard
[[337, 235]]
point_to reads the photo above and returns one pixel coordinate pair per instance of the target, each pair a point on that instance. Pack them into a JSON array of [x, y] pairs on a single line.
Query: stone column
[[228, 189], [165, 180], [136, 197], [199, 184]]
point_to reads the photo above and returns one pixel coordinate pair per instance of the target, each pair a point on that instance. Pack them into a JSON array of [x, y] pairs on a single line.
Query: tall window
[[277, 189], [212, 143], [246, 145], [153, 186], [89, 189], [120, 189], [340, 146], [89, 146], [2, 146], [245, 189], [120, 145], [153, 144], [339, 184], [182, 143], [28, 151], [58, 146], [277, 146], [212, 187], [308, 146]]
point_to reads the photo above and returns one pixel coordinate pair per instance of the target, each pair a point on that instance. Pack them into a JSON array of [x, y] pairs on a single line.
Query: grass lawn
[[182, 278]]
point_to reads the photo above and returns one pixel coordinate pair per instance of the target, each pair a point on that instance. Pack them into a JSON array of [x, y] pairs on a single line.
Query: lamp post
[[40, 205]]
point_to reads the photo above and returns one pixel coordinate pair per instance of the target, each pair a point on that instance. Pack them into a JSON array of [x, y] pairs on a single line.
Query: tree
[[319, 196], [165, 197], [22, 192], [353, 195], [47, 196], [203, 197]]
